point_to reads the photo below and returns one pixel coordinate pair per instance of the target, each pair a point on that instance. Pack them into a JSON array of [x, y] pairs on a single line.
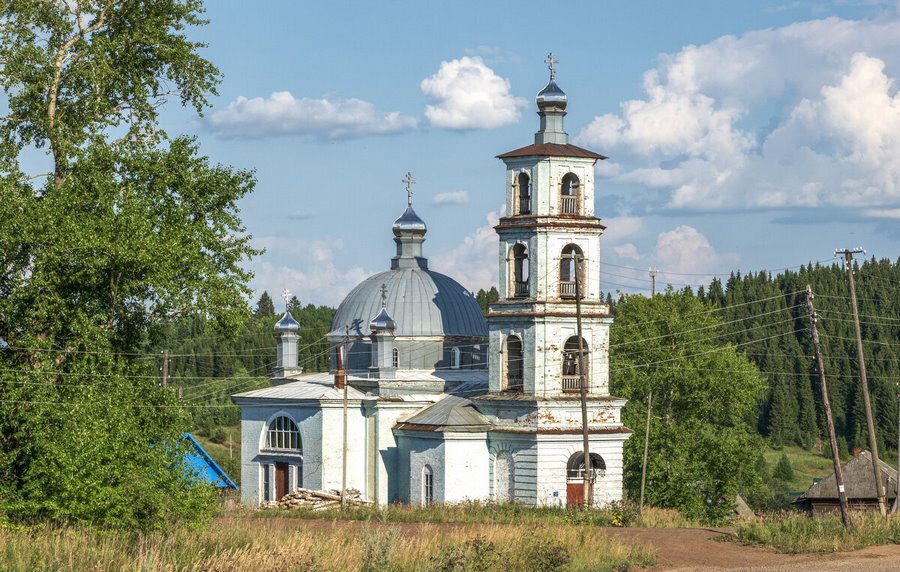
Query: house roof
[[452, 413], [202, 465], [308, 388], [551, 150], [859, 481]]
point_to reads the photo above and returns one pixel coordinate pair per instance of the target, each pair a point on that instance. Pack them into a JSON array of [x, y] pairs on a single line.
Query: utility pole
[[653, 272], [646, 447], [870, 424], [588, 485], [826, 404], [165, 369], [344, 451], [897, 492]]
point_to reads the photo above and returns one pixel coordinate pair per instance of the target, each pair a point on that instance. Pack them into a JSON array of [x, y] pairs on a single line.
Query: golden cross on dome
[[408, 179], [551, 62]]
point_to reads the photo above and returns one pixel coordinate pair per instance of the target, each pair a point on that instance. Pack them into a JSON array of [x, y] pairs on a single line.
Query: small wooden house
[[859, 483]]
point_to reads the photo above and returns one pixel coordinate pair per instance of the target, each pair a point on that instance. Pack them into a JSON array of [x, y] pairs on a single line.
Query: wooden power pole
[[646, 448], [588, 469], [870, 424], [165, 369], [826, 405]]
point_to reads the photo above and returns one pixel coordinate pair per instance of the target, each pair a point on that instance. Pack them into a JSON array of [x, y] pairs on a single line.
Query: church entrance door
[[574, 493], [282, 484]]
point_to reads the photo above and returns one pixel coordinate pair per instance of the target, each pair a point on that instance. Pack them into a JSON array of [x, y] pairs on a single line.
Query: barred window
[[427, 486], [283, 434]]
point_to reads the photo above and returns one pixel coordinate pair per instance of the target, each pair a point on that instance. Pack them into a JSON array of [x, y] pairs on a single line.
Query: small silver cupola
[[409, 234], [286, 330], [551, 102], [384, 353]]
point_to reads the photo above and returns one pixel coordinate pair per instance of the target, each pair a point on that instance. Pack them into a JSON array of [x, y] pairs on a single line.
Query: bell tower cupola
[[551, 102]]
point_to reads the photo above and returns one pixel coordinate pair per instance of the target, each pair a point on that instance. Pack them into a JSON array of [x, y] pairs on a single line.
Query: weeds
[[276, 544], [799, 534]]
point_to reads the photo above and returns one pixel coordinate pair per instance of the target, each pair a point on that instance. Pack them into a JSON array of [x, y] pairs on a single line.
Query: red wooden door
[[575, 494], [282, 486]]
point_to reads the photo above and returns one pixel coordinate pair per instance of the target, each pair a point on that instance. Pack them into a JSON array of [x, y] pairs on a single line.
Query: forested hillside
[[210, 366], [766, 317]]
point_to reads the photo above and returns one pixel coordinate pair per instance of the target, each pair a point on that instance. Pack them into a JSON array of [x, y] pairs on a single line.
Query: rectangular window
[[428, 487], [266, 483], [299, 470]]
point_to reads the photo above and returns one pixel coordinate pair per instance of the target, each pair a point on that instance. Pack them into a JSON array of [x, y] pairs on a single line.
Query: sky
[[741, 135]]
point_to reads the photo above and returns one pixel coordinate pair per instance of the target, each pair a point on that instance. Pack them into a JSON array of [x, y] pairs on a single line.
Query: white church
[[444, 404]]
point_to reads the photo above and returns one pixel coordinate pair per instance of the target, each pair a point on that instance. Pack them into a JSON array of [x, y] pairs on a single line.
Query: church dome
[[286, 324], [409, 221], [421, 303], [552, 96]]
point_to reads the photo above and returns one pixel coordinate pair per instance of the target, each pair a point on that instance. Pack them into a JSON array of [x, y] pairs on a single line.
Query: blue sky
[[741, 135]]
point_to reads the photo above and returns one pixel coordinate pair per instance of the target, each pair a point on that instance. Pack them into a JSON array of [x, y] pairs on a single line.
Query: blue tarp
[[204, 466]]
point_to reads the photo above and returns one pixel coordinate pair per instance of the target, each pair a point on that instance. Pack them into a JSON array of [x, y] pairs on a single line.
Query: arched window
[[428, 485], [455, 357], [395, 358], [567, 266], [575, 467], [570, 195], [523, 185], [504, 477], [520, 271], [283, 434], [571, 380], [514, 363]]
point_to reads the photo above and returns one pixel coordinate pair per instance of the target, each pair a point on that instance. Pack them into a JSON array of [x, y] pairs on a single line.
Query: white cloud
[[312, 274], [467, 94], [453, 198], [682, 256], [473, 263], [620, 228], [283, 114], [685, 251], [801, 116], [627, 251]]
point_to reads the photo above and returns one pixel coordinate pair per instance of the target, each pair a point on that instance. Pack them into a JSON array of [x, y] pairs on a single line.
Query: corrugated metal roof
[[450, 412], [859, 481], [301, 390], [421, 302], [552, 150]]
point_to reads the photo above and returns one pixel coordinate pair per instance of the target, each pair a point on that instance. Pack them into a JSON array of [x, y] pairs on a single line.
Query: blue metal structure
[[204, 467]]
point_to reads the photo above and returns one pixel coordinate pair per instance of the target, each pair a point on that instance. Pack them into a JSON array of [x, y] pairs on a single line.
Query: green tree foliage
[[487, 297], [129, 231], [264, 307], [703, 448], [784, 471], [767, 317]]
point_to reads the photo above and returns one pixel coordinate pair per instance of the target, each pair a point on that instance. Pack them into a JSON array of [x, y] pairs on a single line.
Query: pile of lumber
[[320, 500]]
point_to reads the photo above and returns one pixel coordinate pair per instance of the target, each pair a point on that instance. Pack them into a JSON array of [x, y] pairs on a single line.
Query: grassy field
[[807, 465], [799, 534], [319, 545]]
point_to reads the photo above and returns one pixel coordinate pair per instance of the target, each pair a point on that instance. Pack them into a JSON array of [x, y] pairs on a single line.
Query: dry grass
[[263, 544]]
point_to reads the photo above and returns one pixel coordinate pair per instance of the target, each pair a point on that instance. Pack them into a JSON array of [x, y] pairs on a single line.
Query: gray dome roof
[[421, 302], [552, 96], [287, 323]]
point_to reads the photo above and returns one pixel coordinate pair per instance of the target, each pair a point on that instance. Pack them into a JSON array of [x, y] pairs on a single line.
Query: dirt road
[[681, 548]]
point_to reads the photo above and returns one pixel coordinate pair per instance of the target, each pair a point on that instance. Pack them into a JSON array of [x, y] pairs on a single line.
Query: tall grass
[[616, 514], [274, 544], [799, 534]]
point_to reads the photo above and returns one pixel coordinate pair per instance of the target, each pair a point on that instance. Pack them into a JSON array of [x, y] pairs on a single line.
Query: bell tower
[[550, 233]]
